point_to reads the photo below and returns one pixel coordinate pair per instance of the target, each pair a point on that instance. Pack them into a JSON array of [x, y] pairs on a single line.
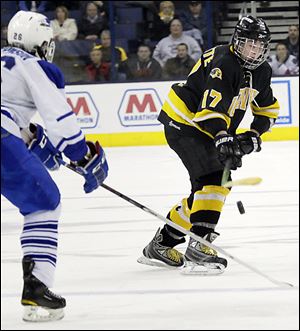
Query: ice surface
[[101, 236]]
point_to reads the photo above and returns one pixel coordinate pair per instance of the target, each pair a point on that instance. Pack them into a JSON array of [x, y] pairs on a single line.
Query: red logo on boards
[[81, 105], [139, 107], [84, 107], [134, 102]]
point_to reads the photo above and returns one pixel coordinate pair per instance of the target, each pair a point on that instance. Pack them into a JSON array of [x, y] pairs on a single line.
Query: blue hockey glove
[[93, 167], [249, 142], [42, 147]]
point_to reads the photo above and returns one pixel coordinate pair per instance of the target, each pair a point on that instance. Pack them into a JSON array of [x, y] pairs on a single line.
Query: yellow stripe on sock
[[181, 220], [211, 197]]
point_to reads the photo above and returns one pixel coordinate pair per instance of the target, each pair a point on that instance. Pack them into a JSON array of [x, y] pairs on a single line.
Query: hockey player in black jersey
[[200, 119]]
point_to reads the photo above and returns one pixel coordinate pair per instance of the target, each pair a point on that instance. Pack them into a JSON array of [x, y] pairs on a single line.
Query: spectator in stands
[[292, 41], [167, 47], [97, 70], [92, 23], [120, 55], [166, 11], [101, 5], [64, 28], [282, 63], [105, 47], [194, 22], [143, 67], [160, 26], [180, 66], [35, 6]]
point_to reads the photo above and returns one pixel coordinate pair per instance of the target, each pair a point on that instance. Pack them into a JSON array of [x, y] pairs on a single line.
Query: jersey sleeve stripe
[[71, 140], [271, 111], [6, 113], [207, 114], [64, 116]]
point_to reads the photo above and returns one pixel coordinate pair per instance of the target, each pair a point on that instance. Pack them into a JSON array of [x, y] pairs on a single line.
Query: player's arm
[[265, 109], [213, 116], [62, 132]]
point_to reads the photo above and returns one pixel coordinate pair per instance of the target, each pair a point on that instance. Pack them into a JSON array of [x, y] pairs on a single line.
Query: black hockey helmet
[[250, 41]]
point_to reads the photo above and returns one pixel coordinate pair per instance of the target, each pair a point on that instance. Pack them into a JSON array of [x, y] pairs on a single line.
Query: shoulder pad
[[53, 73]]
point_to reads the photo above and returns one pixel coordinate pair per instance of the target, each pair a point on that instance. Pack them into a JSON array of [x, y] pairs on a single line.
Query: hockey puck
[[240, 207]]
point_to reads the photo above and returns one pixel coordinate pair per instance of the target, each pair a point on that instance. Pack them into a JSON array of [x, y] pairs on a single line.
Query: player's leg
[[207, 202], [27, 184], [161, 247], [200, 216], [207, 197]]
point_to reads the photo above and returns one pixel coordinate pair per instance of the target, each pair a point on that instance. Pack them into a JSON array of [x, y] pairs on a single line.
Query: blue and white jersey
[[30, 85]]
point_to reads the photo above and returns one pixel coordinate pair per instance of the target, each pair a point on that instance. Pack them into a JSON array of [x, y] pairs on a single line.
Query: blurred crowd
[[157, 40]]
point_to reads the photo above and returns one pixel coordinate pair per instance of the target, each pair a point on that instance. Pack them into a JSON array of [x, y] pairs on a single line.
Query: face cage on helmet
[[48, 50], [249, 62]]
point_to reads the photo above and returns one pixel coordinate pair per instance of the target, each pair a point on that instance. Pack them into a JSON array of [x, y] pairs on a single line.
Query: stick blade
[[244, 181]]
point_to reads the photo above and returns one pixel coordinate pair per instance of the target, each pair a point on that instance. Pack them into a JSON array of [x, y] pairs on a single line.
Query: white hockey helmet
[[32, 32]]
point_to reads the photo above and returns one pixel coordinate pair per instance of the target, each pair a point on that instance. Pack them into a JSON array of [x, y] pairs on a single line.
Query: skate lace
[[174, 255], [50, 293]]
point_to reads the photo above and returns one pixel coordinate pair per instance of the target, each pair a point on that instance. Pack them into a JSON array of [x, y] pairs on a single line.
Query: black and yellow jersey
[[217, 93]]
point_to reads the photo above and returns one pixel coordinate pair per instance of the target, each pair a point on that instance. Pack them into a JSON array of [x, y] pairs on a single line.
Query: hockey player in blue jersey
[[30, 84]]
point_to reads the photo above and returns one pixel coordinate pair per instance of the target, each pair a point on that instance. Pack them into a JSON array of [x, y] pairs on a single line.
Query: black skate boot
[[41, 305], [156, 254], [203, 259]]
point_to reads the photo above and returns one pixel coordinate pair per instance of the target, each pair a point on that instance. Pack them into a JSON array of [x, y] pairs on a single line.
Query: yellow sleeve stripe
[[206, 114], [176, 109], [179, 105], [168, 109], [271, 111]]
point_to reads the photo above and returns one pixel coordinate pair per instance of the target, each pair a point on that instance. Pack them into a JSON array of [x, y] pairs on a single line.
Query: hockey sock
[[206, 209], [39, 242]]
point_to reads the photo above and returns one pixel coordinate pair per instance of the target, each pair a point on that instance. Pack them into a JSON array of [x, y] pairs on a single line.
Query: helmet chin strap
[[41, 54]]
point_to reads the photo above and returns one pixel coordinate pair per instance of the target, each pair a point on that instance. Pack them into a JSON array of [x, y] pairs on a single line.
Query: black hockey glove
[[249, 142], [228, 149]]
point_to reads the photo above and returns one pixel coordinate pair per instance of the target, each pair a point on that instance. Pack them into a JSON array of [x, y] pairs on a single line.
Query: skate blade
[[42, 314], [156, 263], [206, 269]]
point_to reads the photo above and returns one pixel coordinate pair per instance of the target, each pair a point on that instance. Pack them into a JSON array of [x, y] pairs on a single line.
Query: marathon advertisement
[[139, 107]]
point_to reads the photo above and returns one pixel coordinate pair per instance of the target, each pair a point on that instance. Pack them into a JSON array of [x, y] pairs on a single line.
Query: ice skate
[[155, 254], [201, 259], [40, 304]]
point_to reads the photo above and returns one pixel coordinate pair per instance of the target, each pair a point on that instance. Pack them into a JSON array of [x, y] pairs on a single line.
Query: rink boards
[[125, 114]]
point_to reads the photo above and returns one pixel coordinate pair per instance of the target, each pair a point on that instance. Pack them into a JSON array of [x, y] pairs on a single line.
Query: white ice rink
[[101, 236]]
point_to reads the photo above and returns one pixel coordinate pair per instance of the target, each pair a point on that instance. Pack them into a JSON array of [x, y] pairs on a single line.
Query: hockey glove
[[249, 142], [228, 150], [41, 146], [93, 167]]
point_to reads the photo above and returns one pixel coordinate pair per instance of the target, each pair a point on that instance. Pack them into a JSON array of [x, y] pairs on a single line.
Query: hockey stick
[[238, 182], [243, 181], [226, 172], [181, 229]]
